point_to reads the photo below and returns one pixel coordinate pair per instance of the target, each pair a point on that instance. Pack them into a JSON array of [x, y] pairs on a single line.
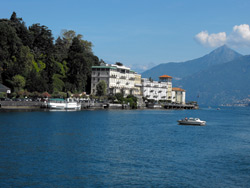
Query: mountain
[[225, 83], [178, 71]]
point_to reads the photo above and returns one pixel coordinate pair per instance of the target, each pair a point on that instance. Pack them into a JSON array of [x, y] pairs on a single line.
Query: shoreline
[[33, 105]]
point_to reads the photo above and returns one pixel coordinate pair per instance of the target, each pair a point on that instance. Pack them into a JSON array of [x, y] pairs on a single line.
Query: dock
[[181, 106]]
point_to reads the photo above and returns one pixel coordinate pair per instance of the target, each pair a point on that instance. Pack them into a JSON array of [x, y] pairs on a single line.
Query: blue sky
[[143, 33]]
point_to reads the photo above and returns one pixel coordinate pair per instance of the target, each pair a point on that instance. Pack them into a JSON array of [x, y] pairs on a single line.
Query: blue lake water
[[125, 148]]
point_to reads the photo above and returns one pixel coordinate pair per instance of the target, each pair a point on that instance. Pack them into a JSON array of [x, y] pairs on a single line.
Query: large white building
[[157, 90], [119, 79]]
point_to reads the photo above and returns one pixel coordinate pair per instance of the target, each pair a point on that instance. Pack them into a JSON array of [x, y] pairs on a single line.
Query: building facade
[[119, 79], [157, 90], [178, 95], [153, 90], [168, 80]]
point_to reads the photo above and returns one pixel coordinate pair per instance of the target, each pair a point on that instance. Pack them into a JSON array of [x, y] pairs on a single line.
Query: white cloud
[[211, 40], [239, 37]]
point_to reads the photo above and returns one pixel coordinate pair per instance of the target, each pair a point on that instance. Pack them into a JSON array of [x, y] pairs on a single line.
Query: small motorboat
[[191, 121]]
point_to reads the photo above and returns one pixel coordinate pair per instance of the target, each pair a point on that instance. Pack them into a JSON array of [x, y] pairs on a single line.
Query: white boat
[[61, 104], [191, 121]]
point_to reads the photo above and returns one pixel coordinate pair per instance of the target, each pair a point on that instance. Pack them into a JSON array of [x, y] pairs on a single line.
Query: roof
[[56, 99], [104, 67], [165, 76], [3, 88], [177, 89]]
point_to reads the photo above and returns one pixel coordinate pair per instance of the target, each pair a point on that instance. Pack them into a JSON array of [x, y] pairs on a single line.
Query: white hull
[[192, 121], [64, 105]]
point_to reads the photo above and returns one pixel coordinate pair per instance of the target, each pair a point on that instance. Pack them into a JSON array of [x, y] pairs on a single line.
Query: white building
[[178, 95], [157, 90], [119, 79]]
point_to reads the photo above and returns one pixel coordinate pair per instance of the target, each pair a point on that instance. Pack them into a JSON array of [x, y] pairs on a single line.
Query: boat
[[63, 104], [191, 121]]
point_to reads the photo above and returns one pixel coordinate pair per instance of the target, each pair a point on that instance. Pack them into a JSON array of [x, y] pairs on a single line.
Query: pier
[[181, 106]]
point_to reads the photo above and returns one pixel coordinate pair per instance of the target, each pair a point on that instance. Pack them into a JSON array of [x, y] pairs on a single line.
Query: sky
[[143, 33]]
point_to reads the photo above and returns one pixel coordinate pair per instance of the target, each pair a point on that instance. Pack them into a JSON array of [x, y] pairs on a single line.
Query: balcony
[[138, 85]]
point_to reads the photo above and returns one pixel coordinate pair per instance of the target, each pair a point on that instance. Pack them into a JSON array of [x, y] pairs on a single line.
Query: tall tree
[[21, 29], [77, 74], [9, 51], [69, 35], [101, 88], [42, 40]]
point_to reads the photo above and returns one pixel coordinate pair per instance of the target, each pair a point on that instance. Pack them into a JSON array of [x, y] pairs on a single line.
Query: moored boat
[[62, 104], [191, 121]]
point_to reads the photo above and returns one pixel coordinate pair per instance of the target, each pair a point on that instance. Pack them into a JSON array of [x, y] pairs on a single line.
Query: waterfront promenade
[[91, 105]]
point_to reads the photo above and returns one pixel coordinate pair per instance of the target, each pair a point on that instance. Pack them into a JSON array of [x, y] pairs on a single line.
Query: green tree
[[78, 67], [69, 35], [101, 88], [25, 61], [18, 82], [9, 50], [21, 29], [132, 100], [42, 40]]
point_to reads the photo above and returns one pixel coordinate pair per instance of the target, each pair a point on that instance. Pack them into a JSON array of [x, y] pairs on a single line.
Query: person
[[186, 118]]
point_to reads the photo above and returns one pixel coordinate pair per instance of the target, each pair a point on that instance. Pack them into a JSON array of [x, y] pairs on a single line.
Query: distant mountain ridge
[[220, 77], [178, 71], [220, 84]]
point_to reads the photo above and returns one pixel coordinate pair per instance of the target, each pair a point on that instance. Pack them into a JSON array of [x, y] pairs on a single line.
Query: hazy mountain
[[178, 71], [220, 84]]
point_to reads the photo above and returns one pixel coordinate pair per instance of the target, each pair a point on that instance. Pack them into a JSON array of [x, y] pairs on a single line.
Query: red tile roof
[[165, 76], [177, 89]]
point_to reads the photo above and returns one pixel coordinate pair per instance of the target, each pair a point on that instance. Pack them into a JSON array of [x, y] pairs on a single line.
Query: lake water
[[125, 148]]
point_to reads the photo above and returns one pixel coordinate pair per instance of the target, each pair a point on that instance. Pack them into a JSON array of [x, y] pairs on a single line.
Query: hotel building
[[119, 79]]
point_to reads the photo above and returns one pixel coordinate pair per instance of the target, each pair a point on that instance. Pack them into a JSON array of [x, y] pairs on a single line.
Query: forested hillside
[[32, 60]]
